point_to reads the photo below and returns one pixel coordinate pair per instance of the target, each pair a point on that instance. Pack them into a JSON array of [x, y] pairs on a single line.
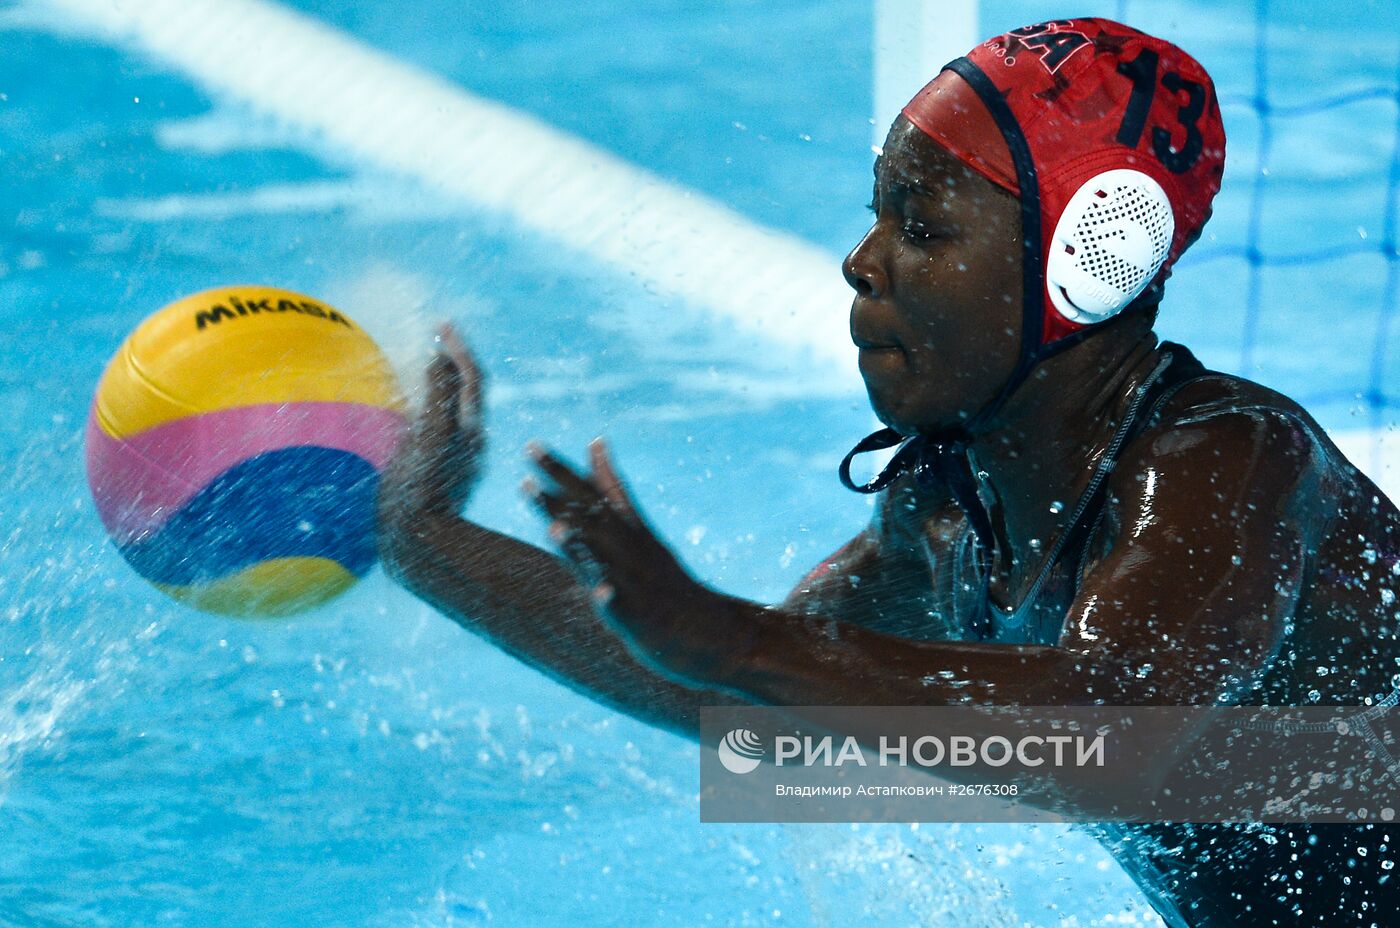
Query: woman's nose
[[863, 272]]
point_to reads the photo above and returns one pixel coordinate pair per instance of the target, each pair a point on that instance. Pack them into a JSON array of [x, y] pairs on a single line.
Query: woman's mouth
[[870, 340], [879, 360], [865, 343]]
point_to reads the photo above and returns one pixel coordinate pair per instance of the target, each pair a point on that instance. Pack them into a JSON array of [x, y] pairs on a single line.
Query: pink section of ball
[[140, 481]]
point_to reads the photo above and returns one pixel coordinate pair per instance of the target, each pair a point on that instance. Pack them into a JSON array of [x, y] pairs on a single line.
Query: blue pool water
[[372, 764]]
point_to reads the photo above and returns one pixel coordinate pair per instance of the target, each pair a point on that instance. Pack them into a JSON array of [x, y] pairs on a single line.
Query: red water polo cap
[[1062, 102]]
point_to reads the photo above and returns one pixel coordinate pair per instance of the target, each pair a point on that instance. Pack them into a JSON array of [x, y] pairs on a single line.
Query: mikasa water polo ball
[[234, 449]]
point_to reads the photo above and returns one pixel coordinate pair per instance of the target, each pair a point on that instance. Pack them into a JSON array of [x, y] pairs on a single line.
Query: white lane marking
[[671, 240], [364, 197]]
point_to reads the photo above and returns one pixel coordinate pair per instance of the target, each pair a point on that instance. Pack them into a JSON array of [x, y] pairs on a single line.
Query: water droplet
[[1058, 507], [1035, 544], [1236, 560]]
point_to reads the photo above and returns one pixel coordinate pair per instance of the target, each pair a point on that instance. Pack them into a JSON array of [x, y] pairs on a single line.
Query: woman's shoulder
[[1217, 426], [1201, 393]]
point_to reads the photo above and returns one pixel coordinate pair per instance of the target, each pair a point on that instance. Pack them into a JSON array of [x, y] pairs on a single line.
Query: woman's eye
[[919, 233], [873, 208]]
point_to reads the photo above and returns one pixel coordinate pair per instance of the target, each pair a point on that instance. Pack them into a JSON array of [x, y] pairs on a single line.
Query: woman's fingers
[[473, 382], [596, 526], [441, 458], [565, 531], [448, 434], [584, 526], [607, 481], [603, 485], [438, 423], [563, 476], [587, 518]]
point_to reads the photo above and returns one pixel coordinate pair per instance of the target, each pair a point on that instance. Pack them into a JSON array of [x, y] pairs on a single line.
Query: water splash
[[901, 875], [30, 715]]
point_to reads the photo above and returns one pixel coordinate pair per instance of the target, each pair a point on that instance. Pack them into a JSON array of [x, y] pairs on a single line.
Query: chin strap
[[932, 461], [918, 456]]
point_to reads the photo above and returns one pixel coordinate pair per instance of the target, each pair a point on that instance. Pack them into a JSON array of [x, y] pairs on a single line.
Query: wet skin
[[1231, 520]]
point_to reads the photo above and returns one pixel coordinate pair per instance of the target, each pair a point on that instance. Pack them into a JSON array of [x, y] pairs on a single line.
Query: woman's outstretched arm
[[521, 598]]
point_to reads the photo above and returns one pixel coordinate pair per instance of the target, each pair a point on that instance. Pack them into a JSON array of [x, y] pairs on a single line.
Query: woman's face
[[937, 312]]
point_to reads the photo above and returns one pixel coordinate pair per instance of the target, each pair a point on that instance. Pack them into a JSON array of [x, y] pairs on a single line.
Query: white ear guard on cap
[[1109, 244]]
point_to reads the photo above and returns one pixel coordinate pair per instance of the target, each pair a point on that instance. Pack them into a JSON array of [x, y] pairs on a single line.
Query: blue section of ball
[[294, 502]]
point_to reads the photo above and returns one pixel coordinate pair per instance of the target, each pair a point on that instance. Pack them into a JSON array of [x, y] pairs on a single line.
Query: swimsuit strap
[[1183, 368], [1177, 368]]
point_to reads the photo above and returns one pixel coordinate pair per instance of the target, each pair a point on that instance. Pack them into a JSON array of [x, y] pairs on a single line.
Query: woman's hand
[[440, 461], [671, 622]]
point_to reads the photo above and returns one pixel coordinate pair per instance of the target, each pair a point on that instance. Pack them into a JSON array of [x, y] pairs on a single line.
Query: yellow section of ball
[[269, 589], [240, 346]]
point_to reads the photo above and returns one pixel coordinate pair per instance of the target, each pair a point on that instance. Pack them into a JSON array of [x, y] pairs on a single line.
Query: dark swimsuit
[[1209, 875], [1196, 876], [1212, 876]]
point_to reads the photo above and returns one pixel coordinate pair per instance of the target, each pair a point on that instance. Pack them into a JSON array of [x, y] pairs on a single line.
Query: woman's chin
[[885, 373], [889, 411], [895, 410]]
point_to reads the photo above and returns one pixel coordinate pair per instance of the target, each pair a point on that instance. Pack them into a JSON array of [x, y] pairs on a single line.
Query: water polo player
[[1077, 512]]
